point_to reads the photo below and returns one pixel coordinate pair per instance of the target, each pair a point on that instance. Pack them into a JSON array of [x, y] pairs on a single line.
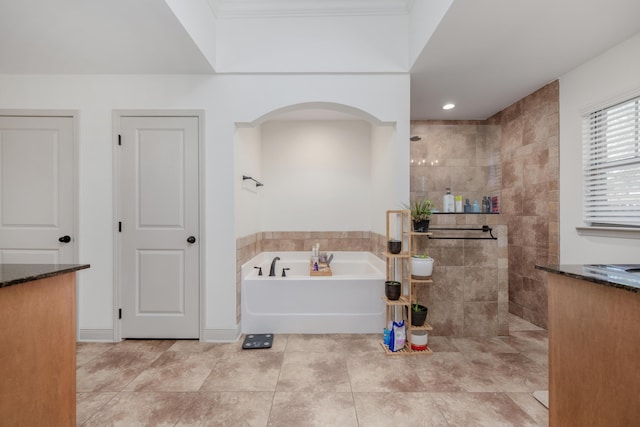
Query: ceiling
[[483, 56]]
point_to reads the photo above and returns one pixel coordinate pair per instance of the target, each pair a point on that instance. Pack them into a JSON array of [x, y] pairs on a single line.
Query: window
[[611, 163]]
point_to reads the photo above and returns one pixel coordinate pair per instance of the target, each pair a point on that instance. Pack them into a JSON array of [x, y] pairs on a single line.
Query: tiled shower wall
[[469, 295], [461, 155], [525, 139], [299, 241], [530, 196]]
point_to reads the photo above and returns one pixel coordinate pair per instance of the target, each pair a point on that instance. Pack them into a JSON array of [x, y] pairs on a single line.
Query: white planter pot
[[421, 267], [419, 340]]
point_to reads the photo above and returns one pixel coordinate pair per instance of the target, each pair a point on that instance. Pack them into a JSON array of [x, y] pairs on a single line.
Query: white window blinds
[[611, 142]]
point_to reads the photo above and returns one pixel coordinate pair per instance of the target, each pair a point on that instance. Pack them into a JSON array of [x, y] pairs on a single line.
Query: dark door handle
[[64, 239], [191, 239]]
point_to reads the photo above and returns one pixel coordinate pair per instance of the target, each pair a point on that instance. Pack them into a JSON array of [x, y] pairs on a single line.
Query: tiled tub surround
[[285, 241], [348, 301], [469, 294]]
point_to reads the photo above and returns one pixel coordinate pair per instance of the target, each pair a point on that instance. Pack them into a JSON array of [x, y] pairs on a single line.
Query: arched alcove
[[317, 111], [325, 168]]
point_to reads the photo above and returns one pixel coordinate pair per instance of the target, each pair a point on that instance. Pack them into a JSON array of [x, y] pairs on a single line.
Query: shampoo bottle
[[458, 203], [448, 202]]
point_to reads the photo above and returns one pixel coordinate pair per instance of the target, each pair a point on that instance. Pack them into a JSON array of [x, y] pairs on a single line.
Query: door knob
[[64, 239], [191, 239]]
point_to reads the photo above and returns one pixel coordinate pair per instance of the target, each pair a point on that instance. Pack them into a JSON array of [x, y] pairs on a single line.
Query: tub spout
[[272, 270]]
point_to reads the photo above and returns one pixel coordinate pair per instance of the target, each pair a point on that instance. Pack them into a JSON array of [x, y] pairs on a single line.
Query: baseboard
[[221, 335], [95, 335], [210, 335]]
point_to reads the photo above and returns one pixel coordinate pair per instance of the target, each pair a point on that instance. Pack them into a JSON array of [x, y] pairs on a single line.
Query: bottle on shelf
[[448, 204], [459, 204]]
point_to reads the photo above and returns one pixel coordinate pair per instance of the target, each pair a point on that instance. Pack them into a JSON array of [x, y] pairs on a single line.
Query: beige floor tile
[[89, 403], [228, 409], [130, 409], [112, 371], [143, 345], [377, 372], [441, 344], [249, 370], [304, 371], [195, 346], [531, 406], [519, 324], [307, 380], [511, 371], [532, 344], [293, 409], [175, 371], [87, 351], [481, 409], [332, 343], [453, 372], [397, 409], [483, 344]]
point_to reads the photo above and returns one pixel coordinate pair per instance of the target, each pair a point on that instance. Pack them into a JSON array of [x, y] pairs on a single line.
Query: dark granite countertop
[[14, 274], [614, 275]]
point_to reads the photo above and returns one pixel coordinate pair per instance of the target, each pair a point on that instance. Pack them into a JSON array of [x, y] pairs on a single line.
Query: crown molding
[[229, 9]]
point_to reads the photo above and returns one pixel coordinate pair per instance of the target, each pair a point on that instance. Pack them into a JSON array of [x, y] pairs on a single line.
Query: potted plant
[[421, 265], [420, 213], [392, 290], [418, 314], [419, 339]]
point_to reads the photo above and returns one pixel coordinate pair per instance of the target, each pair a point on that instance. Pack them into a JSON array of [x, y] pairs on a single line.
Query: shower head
[[415, 138]]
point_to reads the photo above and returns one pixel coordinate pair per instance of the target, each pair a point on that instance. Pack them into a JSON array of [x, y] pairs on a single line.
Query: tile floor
[[315, 380]]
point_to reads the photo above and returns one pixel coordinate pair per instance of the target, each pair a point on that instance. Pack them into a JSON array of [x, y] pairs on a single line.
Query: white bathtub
[[346, 302]]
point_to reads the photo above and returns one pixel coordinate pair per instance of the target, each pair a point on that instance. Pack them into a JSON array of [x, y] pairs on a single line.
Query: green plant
[[416, 307], [423, 255], [420, 209]]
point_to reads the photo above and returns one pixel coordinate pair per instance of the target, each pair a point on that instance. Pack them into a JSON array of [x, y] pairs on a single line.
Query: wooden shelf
[[425, 327], [405, 351], [400, 255], [403, 300], [399, 268], [415, 279]]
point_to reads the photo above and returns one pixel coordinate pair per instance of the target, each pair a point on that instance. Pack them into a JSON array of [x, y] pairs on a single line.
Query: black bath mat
[[254, 341]]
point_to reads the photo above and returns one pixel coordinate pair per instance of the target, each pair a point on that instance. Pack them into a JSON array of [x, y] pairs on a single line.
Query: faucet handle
[[259, 270], [284, 274]]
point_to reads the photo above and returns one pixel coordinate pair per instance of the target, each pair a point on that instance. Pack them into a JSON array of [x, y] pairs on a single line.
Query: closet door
[[37, 203]]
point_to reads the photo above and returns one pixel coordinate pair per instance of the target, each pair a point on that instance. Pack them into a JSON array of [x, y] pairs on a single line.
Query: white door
[[37, 202], [159, 239]]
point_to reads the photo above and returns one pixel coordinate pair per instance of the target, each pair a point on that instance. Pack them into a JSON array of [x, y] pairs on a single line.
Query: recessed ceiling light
[[448, 106]]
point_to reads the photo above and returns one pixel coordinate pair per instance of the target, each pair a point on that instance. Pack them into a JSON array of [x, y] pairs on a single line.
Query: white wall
[[385, 165], [313, 44], [319, 175], [604, 79], [423, 21], [225, 100], [248, 149]]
